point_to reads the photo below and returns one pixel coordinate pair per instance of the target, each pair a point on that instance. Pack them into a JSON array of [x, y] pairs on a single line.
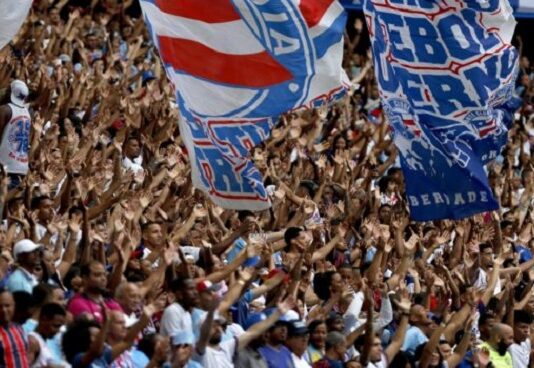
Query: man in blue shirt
[[27, 255], [274, 351], [420, 326]]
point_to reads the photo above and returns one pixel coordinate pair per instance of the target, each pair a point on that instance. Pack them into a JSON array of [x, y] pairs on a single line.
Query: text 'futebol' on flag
[[446, 72]]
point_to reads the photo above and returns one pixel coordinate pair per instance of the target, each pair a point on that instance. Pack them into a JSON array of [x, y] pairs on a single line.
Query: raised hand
[[256, 245], [404, 304], [321, 162], [332, 212], [411, 244], [321, 147], [443, 237], [286, 305], [199, 212], [280, 194]]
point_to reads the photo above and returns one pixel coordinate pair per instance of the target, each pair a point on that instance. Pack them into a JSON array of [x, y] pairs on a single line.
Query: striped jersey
[[13, 347]]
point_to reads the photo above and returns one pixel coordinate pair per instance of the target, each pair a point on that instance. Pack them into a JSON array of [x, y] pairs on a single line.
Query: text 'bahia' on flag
[[237, 65], [446, 72]]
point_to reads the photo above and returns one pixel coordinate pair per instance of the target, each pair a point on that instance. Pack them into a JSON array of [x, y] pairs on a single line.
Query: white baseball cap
[[24, 246], [19, 92]]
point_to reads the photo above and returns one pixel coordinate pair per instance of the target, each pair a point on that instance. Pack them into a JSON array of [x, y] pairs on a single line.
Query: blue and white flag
[[12, 16], [446, 72], [237, 65], [522, 8]]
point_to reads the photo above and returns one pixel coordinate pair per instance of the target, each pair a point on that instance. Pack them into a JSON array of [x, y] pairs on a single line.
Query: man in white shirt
[[212, 352], [15, 126], [520, 349], [133, 158], [297, 341], [177, 316]]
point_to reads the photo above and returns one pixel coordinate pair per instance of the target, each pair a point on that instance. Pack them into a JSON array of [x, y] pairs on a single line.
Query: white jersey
[[45, 356], [15, 144]]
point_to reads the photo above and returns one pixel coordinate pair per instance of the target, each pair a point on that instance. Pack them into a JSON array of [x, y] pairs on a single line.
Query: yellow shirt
[[498, 360]]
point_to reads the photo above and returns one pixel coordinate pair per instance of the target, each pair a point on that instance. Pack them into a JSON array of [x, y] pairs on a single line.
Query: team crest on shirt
[[19, 138]]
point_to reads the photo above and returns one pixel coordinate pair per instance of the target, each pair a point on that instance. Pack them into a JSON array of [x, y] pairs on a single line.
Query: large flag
[[446, 72], [12, 15], [237, 65], [522, 8]]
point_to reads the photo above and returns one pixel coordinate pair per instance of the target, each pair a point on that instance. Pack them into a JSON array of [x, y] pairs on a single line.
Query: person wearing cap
[[15, 126], [274, 351], [297, 342], [206, 290], [250, 356], [182, 350], [27, 256]]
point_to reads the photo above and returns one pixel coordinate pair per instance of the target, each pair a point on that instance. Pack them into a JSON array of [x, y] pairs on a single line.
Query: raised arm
[[259, 328], [461, 349], [398, 339]]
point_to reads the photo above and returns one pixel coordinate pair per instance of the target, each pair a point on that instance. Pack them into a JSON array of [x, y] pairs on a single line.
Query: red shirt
[[13, 347], [81, 304]]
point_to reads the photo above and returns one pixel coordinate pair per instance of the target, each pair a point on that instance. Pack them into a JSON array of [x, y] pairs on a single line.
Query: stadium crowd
[[110, 258]]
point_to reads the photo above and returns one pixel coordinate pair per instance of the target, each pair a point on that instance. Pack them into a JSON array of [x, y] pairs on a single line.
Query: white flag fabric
[[525, 7], [12, 15], [237, 65]]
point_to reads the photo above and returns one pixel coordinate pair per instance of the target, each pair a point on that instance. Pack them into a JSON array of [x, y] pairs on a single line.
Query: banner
[[446, 72], [522, 8], [12, 15], [237, 65]]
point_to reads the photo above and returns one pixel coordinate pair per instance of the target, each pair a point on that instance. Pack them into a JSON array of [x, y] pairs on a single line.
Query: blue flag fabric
[[446, 72], [237, 65], [522, 8]]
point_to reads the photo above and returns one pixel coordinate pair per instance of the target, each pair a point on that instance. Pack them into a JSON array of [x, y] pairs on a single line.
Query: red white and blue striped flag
[[237, 65]]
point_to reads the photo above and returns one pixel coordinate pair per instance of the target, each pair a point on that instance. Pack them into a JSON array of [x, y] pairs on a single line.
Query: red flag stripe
[[208, 11], [255, 70], [313, 10]]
